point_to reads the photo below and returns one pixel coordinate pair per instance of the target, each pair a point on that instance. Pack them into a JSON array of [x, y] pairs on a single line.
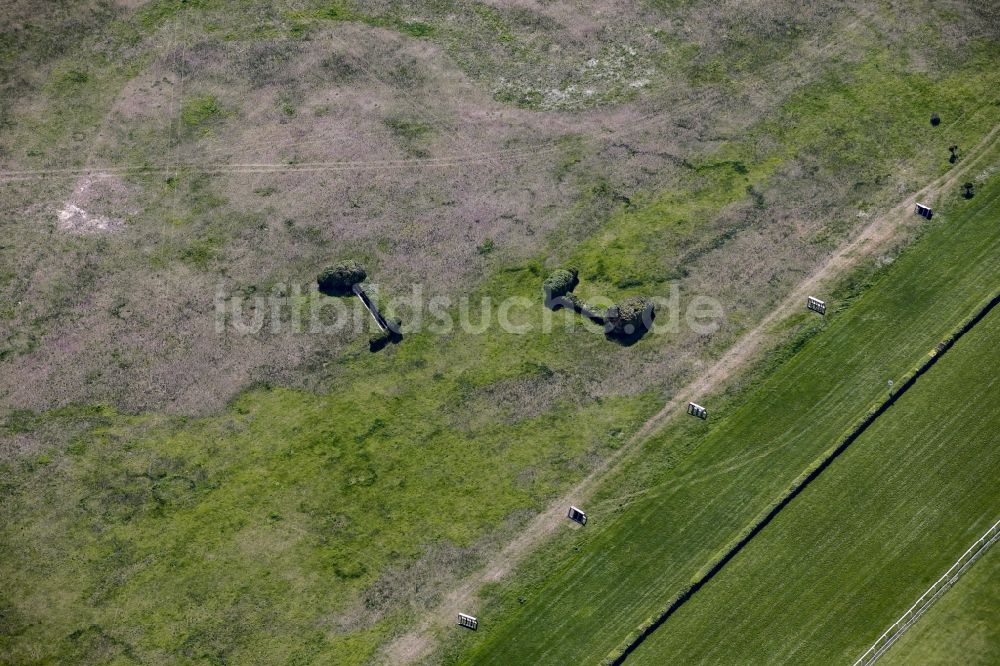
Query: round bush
[[559, 283], [337, 280], [631, 317]]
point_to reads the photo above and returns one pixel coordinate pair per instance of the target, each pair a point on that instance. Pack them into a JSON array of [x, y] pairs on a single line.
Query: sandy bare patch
[[75, 219], [85, 212]]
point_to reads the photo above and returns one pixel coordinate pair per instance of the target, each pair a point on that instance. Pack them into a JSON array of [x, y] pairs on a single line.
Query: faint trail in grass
[[459, 159]]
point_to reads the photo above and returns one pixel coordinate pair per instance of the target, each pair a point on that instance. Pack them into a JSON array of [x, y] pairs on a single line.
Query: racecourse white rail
[[885, 641]]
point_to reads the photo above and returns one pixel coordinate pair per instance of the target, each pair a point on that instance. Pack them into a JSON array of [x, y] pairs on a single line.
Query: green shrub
[[560, 282], [632, 317], [337, 280]]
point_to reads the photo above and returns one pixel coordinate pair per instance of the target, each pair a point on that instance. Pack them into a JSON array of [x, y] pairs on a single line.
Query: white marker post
[[697, 410], [816, 305]]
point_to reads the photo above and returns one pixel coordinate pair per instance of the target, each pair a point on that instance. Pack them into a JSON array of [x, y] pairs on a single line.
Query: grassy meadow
[[169, 493], [696, 487], [962, 622], [862, 543]]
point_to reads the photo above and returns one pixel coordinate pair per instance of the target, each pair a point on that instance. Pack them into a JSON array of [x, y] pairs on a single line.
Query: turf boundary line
[[704, 575], [940, 586]]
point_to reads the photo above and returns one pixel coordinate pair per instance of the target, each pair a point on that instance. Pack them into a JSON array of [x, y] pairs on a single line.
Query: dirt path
[[419, 642]]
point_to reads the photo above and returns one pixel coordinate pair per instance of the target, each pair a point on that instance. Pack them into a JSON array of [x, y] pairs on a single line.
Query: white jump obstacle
[[467, 621], [577, 516], [697, 410], [816, 305], [924, 211]]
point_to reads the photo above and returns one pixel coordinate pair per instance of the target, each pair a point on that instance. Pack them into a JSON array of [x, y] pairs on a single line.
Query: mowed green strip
[[629, 566], [867, 538], [962, 626]]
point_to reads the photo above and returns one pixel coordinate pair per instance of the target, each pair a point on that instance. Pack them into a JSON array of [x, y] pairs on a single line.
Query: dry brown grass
[[416, 161], [125, 319]]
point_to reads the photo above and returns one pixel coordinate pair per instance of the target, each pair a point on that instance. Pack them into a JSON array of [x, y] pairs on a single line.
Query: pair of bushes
[[627, 320]]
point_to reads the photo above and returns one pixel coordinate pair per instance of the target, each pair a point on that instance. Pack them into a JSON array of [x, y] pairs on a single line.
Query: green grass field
[[862, 543], [171, 494], [623, 570], [962, 626]]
